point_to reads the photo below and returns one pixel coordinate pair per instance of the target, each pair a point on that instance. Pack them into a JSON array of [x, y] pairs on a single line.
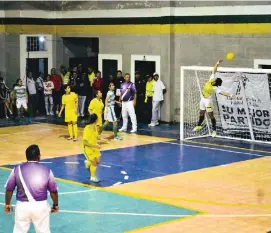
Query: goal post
[[246, 118]]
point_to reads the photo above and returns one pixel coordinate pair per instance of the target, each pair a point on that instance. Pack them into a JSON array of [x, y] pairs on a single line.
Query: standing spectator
[[32, 180], [32, 97], [159, 90], [72, 81], [40, 92], [119, 80], [140, 88], [128, 98], [148, 98], [48, 96], [82, 90], [65, 75], [98, 82], [12, 97], [4, 96], [56, 79]]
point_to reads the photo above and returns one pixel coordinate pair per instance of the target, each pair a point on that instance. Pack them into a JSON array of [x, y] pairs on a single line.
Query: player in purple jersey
[[32, 180], [128, 98]]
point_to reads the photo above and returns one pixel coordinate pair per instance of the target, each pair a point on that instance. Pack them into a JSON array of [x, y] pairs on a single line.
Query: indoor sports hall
[[167, 177]]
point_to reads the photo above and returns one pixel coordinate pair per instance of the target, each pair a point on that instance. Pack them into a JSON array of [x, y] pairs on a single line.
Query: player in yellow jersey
[[70, 103], [209, 88], [96, 106], [91, 147]]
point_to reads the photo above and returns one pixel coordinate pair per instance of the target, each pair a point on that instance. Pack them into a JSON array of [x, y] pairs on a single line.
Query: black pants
[[32, 105], [148, 110], [140, 109], [40, 103]]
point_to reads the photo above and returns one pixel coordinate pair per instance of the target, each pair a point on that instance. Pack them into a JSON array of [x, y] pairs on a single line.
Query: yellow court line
[[164, 223], [226, 146]]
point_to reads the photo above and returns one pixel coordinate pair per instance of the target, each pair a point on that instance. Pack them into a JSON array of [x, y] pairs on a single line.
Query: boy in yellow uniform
[[70, 103], [96, 106], [90, 146], [206, 103]]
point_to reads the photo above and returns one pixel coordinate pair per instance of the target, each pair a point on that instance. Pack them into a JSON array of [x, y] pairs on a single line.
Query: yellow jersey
[[149, 88], [208, 89], [70, 102], [90, 135], [65, 78], [91, 77], [96, 106]]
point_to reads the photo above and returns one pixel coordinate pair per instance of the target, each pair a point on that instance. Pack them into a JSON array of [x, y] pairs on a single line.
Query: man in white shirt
[[32, 97], [159, 90]]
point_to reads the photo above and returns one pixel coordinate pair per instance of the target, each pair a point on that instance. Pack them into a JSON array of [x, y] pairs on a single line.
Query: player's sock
[[103, 127], [92, 170], [70, 130], [213, 124], [115, 130], [75, 131], [201, 119]]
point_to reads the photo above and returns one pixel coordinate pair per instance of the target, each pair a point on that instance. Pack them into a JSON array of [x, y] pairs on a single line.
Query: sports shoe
[[213, 134], [118, 138], [122, 130], [197, 128], [133, 131], [94, 179]]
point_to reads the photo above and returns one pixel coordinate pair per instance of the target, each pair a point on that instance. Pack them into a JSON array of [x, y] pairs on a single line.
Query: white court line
[[2, 193], [105, 166], [117, 183], [75, 192], [165, 215], [213, 148], [72, 162], [27, 131]]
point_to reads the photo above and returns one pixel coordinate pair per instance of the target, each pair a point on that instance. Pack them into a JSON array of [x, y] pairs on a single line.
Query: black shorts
[[57, 97]]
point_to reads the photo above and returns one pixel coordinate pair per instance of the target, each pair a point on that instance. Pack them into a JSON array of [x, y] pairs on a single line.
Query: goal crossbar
[[184, 86]]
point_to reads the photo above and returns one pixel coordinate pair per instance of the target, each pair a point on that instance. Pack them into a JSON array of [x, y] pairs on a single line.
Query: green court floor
[[86, 210]]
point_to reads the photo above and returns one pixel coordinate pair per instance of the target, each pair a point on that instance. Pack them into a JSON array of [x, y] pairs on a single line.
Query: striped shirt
[[20, 92]]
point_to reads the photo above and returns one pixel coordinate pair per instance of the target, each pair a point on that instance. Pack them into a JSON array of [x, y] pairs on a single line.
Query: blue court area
[[147, 161], [85, 210]]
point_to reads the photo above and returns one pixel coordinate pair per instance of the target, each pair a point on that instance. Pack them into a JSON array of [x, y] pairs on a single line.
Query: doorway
[[148, 64], [145, 68], [37, 65]]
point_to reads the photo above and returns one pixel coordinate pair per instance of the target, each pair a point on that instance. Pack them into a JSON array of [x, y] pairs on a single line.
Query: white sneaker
[[94, 179], [133, 131], [151, 124], [51, 113], [122, 130]]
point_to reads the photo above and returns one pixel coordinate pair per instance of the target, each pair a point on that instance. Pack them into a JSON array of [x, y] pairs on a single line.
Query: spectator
[[148, 97], [98, 82], [32, 205], [56, 79], [65, 75], [32, 97], [48, 96], [4, 97], [40, 92], [128, 98], [159, 90], [140, 88], [119, 80], [82, 90]]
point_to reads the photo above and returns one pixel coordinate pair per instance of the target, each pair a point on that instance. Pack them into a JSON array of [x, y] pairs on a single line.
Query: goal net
[[247, 117]]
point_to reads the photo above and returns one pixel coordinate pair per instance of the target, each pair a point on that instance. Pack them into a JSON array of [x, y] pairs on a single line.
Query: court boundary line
[[161, 215]]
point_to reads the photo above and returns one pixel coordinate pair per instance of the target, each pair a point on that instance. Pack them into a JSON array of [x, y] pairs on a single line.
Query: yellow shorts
[[70, 117], [92, 154]]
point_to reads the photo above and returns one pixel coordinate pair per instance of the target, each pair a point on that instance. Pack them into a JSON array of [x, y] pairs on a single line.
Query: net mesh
[[231, 115]]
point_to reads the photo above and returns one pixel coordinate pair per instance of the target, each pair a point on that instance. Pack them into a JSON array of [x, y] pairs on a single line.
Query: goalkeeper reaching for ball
[[209, 88]]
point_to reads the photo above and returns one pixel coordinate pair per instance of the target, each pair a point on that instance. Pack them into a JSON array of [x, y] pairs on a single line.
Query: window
[[35, 44]]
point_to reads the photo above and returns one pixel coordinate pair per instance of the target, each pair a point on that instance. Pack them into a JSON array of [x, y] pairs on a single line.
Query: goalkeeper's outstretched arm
[[216, 66]]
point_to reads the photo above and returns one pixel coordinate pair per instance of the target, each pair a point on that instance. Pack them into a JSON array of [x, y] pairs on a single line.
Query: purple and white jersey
[[37, 178], [129, 94]]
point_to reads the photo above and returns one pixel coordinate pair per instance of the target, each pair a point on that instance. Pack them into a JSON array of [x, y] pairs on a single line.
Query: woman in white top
[[48, 96]]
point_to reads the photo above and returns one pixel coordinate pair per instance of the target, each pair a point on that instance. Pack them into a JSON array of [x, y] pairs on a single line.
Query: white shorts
[[110, 116], [20, 103], [206, 104]]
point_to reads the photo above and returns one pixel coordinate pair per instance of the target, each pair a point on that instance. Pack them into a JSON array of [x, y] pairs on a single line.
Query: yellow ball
[[230, 56]]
